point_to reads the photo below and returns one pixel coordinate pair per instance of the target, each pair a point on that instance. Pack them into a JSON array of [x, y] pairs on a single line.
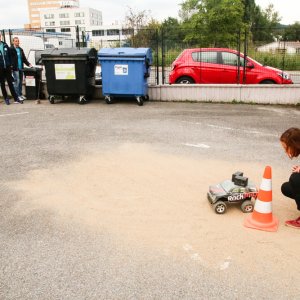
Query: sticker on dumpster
[[65, 71], [29, 81], [121, 69]]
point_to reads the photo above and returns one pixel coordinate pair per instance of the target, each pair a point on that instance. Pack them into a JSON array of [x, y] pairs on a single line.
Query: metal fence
[[166, 46]]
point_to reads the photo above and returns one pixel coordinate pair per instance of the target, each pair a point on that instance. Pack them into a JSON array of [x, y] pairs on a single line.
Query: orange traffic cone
[[262, 217]]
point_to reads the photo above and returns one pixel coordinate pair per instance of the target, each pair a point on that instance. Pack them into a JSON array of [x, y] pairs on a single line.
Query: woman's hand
[[296, 169]]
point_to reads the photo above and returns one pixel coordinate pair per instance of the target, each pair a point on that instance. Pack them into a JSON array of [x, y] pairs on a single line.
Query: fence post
[[83, 38], [10, 37], [44, 38], [3, 36], [77, 37], [157, 58], [283, 57], [162, 56], [239, 57], [245, 57]]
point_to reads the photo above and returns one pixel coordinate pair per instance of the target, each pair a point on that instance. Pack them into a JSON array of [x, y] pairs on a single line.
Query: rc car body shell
[[238, 189]]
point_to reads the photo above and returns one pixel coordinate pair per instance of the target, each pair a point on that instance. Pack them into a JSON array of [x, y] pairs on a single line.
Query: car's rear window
[[205, 56]]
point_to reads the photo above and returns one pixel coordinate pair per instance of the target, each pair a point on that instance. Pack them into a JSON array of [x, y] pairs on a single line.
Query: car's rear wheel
[[268, 82], [220, 207], [185, 80]]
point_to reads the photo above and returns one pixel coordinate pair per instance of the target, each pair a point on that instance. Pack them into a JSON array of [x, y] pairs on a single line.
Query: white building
[[281, 47], [107, 36], [66, 19]]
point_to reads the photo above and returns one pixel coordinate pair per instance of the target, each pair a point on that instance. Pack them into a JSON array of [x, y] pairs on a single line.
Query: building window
[[64, 16], [77, 22], [65, 30], [79, 14], [98, 32], [113, 32], [127, 31], [49, 16], [64, 22], [50, 30], [60, 43], [50, 23]]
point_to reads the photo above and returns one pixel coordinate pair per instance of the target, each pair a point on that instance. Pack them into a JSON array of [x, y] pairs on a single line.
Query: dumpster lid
[[69, 52], [126, 52]]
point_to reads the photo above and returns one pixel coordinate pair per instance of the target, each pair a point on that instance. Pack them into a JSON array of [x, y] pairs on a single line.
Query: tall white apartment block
[[66, 19]]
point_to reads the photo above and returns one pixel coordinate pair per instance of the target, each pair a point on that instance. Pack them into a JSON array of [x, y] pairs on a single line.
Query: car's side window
[[231, 59], [205, 56]]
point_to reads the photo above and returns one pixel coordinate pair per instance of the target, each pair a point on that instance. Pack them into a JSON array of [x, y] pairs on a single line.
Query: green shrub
[[289, 62]]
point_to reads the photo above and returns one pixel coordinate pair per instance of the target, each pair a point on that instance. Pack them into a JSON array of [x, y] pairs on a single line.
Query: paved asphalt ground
[[44, 258]]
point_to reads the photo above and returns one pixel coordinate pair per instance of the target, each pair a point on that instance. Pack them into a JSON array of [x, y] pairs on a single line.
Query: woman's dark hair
[[291, 138]]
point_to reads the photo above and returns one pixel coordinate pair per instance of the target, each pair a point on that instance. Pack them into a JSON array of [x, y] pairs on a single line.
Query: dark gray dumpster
[[70, 72]]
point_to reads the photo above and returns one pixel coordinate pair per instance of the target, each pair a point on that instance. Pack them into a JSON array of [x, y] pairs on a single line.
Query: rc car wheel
[[247, 206], [220, 207]]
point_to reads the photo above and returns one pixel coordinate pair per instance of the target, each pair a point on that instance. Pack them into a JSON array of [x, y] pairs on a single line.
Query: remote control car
[[238, 189]]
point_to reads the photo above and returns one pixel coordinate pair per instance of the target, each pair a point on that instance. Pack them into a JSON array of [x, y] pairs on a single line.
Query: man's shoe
[[293, 223], [23, 98], [19, 100], [6, 101]]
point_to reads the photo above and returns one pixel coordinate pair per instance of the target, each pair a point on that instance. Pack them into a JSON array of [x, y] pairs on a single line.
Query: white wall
[[261, 94]]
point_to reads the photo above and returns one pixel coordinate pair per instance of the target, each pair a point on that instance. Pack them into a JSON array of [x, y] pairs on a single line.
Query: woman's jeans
[[291, 188]]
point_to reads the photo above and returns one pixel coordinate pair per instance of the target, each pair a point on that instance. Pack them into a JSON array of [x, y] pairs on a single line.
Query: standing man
[[6, 72], [18, 60]]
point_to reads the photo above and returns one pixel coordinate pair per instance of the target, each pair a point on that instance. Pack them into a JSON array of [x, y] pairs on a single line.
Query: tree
[[292, 32], [141, 28], [173, 32], [265, 23], [137, 19], [214, 22], [217, 22]]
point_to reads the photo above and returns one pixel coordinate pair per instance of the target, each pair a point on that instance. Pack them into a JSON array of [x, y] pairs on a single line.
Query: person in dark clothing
[[290, 141], [18, 60], [6, 72]]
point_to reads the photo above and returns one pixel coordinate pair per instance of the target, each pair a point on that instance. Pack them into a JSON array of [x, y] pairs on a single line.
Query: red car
[[220, 66]]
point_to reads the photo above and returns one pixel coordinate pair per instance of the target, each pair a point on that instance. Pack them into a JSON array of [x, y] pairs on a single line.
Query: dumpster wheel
[[82, 100], [51, 99], [108, 99], [140, 100]]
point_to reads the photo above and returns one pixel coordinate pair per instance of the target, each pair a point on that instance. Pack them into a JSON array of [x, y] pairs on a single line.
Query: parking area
[[109, 201]]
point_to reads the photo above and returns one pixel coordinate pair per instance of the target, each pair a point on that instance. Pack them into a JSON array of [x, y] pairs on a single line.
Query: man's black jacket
[[14, 58]]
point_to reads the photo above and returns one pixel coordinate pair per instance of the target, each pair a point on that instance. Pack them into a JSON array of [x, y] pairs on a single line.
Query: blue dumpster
[[125, 72]]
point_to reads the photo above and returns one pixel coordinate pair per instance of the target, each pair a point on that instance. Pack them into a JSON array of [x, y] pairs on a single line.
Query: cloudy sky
[[14, 13]]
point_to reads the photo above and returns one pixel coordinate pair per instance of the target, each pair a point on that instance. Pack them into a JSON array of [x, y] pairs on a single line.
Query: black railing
[[166, 45]]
